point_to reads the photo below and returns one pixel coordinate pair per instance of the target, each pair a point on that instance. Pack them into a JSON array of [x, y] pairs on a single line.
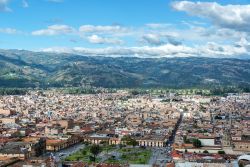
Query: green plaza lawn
[[132, 156], [81, 155], [114, 154]]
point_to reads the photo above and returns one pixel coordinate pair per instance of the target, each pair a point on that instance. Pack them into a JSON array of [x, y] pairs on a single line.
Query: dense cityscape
[[124, 128], [124, 83]]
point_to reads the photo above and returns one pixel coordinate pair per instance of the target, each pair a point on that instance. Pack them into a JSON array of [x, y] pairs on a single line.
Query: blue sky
[[143, 28]]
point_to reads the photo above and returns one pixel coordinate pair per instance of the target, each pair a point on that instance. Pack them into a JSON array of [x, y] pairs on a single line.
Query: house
[[241, 145], [59, 143], [37, 145], [53, 130], [152, 141], [96, 138], [18, 150], [209, 141], [8, 120], [66, 124], [6, 112]]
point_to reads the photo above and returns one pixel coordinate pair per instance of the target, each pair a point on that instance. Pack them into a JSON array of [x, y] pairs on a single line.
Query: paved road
[[68, 151], [160, 156], [60, 155], [163, 155]]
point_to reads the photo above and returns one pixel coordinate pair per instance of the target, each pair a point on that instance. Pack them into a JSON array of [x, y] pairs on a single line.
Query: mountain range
[[20, 68]]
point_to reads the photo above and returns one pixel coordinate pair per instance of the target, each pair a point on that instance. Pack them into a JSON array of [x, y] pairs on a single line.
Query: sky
[[141, 28]]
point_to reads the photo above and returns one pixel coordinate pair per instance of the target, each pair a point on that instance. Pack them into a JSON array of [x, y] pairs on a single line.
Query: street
[[60, 155], [160, 156]]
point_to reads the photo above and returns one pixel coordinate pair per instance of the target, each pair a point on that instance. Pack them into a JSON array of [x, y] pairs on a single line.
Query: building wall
[[199, 150], [146, 143], [20, 156], [242, 146], [8, 120], [195, 164], [5, 112], [207, 142], [151, 143]]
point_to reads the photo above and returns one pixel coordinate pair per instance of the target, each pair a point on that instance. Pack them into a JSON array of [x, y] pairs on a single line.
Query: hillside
[[39, 69]]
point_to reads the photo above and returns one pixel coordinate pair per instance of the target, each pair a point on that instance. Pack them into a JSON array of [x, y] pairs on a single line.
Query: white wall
[[207, 142]]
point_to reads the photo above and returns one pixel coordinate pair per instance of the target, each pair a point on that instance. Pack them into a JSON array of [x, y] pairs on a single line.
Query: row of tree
[[13, 91], [86, 90], [206, 152], [96, 149]]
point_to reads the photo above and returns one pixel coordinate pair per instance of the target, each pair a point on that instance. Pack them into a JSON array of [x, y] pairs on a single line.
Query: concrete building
[[241, 145]]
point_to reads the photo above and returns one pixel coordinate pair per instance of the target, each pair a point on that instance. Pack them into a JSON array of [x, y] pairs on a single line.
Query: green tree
[[133, 142], [221, 152], [186, 140], [205, 152], [84, 152], [126, 138], [105, 144], [121, 146], [129, 140], [197, 143], [95, 150], [241, 165]]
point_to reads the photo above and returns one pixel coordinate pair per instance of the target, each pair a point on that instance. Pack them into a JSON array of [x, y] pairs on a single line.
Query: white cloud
[[158, 25], [57, 50], [95, 39], [243, 42], [211, 49], [25, 4], [171, 41], [54, 30], [101, 29], [153, 39], [83, 31], [235, 17], [8, 30], [145, 51], [160, 38], [4, 7], [197, 33]]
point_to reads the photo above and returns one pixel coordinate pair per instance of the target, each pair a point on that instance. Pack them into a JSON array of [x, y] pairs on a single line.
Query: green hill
[[39, 69]]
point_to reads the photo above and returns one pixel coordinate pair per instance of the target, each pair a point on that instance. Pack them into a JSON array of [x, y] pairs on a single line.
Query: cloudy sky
[[142, 28]]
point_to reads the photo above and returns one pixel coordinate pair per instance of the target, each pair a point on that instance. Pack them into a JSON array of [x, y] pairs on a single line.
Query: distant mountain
[[38, 69]]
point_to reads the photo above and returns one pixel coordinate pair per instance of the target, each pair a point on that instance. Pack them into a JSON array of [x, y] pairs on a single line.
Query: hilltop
[[22, 69]]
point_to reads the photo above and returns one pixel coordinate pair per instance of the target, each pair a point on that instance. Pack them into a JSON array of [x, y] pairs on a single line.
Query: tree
[[129, 141], [135, 92], [221, 152], [205, 152], [121, 146], [95, 150], [84, 152], [241, 165], [105, 144], [86, 143], [133, 142], [126, 138], [186, 140], [197, 143]]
